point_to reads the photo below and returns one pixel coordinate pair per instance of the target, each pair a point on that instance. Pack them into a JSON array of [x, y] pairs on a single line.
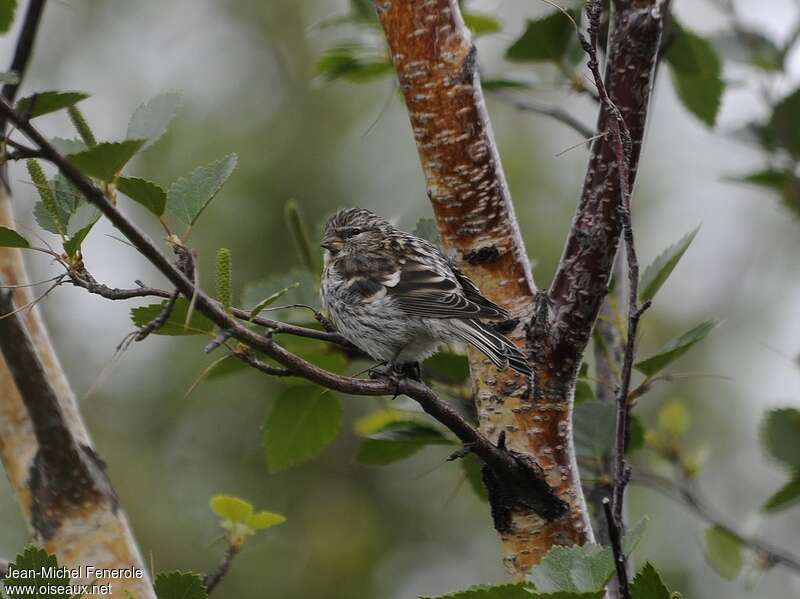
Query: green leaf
[[198, 324], [581, 569], [481, 24], [363, 10], [780, 435], [675, 349], [594, 423], [398, 441], [426, 229], [7, 10], [353, 62], [47, 102], [750, 47], [637, 434], [180, 585], [301, 289], [324, 356], [503, 591], [583, 386], [446, 367], [239, 517], [105, 160], [151, 119], [68, 146], [150, 195], [723, 552], [303, 421], [38, 561], [379, 420], [697, 74], [11, 239], [230, 507], [648, 585], [544, 39], [85, 215], [786, 496], [784, 124], [271, 299], [264, 520], [783, 181], [473, 471], [661, 268], [189, 195], [73, 244]]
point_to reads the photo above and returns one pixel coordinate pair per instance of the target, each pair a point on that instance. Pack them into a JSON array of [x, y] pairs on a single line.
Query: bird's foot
[[395, 373]]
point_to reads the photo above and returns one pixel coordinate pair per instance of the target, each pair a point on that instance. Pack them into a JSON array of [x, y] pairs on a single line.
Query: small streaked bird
[[397, 297]]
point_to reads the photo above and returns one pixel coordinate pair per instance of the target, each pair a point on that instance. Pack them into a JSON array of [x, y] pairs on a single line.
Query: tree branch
[[620, 561], [553, 111], [212, 580], [517, 471], [689, 494]]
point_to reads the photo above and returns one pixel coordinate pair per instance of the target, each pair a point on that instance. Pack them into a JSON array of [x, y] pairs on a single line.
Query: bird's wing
[[423, 283], [434, 289]]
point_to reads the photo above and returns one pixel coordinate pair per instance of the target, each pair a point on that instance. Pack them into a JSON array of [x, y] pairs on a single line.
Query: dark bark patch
[[63, 483], [484, 255]]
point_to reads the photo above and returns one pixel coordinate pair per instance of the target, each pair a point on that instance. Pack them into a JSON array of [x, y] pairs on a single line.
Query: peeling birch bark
[[66, 498], [435, 62]]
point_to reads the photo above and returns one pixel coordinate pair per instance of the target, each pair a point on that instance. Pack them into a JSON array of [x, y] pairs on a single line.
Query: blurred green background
[[246, 69]]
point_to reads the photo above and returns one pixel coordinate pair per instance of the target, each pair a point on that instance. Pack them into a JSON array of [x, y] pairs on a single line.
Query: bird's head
[[352, 227]]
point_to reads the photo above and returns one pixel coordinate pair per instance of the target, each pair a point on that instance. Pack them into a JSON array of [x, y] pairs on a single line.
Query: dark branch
[[22, 53], [581, 280], [620, 562], [3, 567], [689, 494], [519, 473], [212, 580], [86, 281]]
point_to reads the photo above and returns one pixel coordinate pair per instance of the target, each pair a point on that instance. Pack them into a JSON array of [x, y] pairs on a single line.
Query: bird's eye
[[354, 232]]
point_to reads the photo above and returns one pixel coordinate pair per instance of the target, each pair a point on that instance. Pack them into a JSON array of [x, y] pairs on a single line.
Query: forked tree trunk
[[435, 61]]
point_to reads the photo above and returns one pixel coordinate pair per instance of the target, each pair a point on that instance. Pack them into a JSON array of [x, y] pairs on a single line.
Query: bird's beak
[[331, 243]]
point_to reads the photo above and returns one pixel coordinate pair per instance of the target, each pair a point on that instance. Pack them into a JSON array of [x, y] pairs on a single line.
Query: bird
[[397, 297]]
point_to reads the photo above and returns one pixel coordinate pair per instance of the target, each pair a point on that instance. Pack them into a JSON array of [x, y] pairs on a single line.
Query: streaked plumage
[[397, 297]]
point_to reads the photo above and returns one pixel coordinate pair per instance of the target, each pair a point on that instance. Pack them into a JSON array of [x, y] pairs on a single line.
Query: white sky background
[[738, 268]]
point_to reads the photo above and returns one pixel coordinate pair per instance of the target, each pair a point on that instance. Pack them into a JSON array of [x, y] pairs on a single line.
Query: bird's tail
[[500, 351]]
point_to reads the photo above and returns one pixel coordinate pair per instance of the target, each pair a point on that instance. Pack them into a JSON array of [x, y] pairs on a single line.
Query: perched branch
[[517, 471], [689, 494], [212, 580]]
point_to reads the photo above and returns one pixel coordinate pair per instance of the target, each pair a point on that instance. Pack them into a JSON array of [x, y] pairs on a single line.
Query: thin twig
[[519, 473], [620, 562], [212, 580], [622, 144], [554, 112], [688, 493]]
